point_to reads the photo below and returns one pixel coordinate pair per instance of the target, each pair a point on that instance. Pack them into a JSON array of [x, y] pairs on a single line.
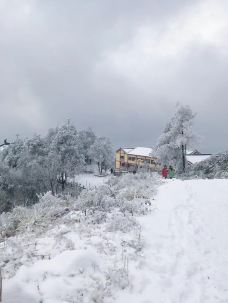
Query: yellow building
[[130, 159]]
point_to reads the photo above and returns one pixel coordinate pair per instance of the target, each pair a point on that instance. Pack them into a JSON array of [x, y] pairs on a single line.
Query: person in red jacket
[[165, 172]]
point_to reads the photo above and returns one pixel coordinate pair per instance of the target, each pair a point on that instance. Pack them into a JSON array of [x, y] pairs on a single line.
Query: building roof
[[193, 152], [141, 151], [196, 158], [127, 150]]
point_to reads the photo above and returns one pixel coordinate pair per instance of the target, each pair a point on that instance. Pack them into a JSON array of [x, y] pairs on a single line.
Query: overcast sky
[[117, 66]]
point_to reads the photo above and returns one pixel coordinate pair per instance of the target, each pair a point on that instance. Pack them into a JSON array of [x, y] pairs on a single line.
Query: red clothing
[[165, 172]]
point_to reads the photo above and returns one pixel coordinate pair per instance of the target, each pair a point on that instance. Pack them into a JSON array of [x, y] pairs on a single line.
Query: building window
[[131, 158]]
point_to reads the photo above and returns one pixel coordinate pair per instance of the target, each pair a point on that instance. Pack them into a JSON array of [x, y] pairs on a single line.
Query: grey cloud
[[93, 62]]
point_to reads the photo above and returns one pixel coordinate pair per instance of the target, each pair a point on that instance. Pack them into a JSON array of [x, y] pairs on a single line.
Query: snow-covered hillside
[[186, 246], [215, 166], [175, 253]]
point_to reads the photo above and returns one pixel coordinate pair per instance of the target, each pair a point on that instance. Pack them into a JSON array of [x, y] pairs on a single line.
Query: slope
[[186, 246]]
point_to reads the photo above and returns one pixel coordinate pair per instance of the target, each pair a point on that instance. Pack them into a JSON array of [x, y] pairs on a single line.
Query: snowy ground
[[178, 255], [186, 254], [90, 180]]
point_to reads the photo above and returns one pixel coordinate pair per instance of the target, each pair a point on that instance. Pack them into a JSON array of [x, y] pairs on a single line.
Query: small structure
[[130, 159], [195, 156]]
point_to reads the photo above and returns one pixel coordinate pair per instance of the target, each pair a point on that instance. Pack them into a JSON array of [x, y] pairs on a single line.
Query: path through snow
[[184, 257], [186, 246]]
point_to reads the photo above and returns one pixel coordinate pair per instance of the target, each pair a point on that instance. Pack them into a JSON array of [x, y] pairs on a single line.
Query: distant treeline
[[30, 167]]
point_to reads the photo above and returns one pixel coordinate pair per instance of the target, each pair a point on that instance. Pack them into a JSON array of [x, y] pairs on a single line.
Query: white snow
[[184, 255], [90, 180], [197, 158], [55, 278], [189, 152], [141, 151], [186, 246], [127, 150]]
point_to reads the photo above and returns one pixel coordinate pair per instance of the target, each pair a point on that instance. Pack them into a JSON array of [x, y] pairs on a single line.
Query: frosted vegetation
[[214, 167], [121, 241], [38, 165], [70, 236], [130, 194], [88, 241], [176, 136]]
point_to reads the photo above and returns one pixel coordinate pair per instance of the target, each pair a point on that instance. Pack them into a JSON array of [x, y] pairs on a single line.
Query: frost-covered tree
[[101, 153], [177, 136], [65, 155], [40, 164], [87, 139], [21, 173], [37, 165], [12, 155]]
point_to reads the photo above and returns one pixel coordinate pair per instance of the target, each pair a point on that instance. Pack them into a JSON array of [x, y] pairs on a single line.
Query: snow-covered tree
[[177, 136], [65, 155], [12, 155], [101, 153], [40, 164], [87, 138]]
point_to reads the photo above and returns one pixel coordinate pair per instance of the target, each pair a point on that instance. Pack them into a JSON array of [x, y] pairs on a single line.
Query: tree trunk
[[63, 177], [62, 180], [52, 188], [99, 167], [183, 158]]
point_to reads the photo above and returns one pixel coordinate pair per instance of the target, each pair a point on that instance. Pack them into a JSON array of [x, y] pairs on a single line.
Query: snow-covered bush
[[84, 257], [96, 217], [41, 214], [137, 206], [119, 277], [214, 167], [8, 225], [123, 223], [130, 186], [101, 198], [129, 193]]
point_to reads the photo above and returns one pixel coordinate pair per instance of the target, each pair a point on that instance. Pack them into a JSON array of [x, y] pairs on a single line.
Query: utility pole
[[183, 151]]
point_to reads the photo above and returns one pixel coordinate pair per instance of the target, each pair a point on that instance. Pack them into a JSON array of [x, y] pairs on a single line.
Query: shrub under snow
[[75, 250], [130, 194], [214, 167], [41, 214]]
